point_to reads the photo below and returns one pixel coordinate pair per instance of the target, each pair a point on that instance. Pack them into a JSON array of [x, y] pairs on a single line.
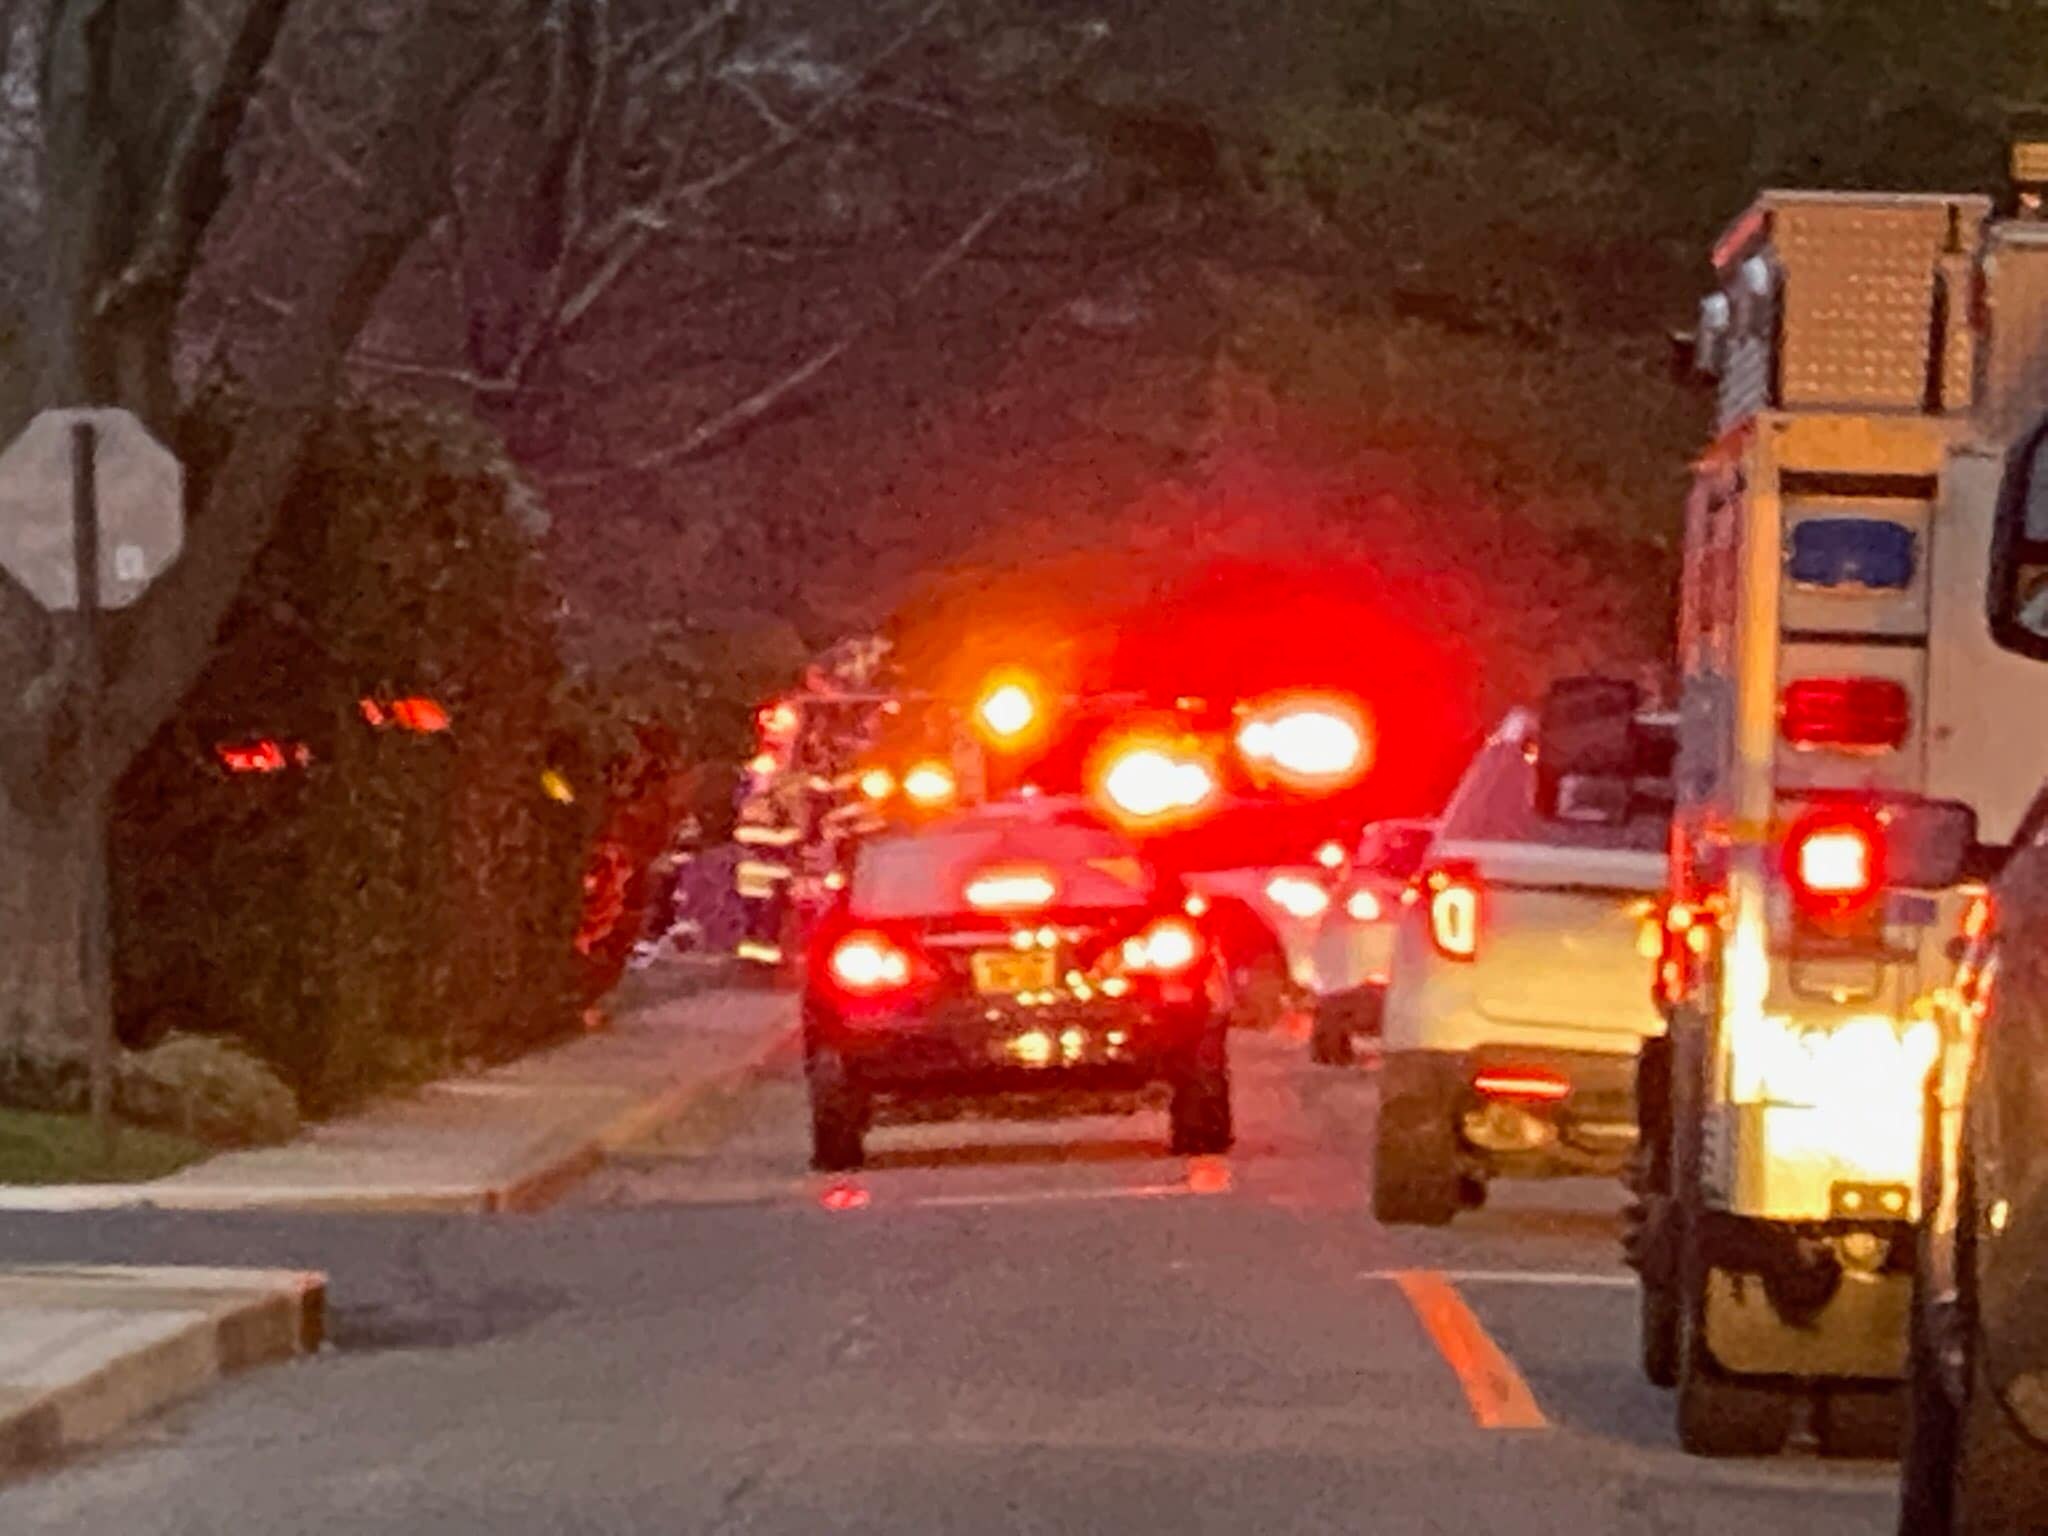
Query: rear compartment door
[[1567, 936]]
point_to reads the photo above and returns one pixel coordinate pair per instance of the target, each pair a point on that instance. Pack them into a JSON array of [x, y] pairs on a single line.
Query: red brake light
[[1170, 947], [1834, 863], [1521, 1083], [1453, 892], [1362, 906], [1845, 714], [868, 963], [1018, 889]]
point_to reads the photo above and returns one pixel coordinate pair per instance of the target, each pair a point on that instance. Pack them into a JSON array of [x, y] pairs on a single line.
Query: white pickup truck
[[1520, 989]]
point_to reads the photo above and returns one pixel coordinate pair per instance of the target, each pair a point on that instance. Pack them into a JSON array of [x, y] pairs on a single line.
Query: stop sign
[[141, 493]]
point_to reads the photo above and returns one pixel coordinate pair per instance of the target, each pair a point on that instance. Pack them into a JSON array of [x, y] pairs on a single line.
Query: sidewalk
[[84, 1352], [510, 1139]]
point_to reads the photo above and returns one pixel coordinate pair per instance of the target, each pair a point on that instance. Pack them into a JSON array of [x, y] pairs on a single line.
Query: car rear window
[[1496, 803], [926, 875]]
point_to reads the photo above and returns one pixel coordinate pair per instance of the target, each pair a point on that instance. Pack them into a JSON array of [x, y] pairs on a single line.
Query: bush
[[206, 1089], [398, 902]]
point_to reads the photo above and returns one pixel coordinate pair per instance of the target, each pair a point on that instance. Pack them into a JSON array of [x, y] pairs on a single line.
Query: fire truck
[[1861, 720]]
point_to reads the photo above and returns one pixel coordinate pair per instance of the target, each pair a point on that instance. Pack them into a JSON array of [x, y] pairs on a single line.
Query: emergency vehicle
[[1855, 715]]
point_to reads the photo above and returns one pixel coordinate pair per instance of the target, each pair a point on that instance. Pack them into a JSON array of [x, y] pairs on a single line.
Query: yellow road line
[[1500, 1398]]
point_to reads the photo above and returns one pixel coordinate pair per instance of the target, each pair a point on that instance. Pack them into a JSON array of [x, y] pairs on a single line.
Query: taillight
[[1453, 895], [877, 784], [1834, 862], [1021, 889], [1845, 714], [1331, 855], [1169, 947], [1363, 907], [1298, 898], [869, 963], [1536, 1084]]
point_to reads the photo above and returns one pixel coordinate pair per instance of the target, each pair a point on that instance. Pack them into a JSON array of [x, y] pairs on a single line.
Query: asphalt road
[[996, 1328]]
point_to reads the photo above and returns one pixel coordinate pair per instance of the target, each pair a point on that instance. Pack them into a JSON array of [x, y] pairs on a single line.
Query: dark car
[[1024, 952], [1976, 1458]]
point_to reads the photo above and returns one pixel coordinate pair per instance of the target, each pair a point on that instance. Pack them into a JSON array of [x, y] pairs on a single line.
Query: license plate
[[1009, 972]]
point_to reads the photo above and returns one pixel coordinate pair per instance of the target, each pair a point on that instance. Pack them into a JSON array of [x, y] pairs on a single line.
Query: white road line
[[1562, 1280]]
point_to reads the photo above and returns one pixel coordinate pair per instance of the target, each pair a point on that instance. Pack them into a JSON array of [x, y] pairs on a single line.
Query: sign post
[[92, 510], [95, 947]]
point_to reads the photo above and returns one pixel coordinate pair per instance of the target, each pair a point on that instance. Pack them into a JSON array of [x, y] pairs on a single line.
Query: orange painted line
[[1500, 1398]]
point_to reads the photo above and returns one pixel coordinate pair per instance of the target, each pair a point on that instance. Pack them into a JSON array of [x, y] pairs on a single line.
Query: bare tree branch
[[656, 65], [715, 431], [632, 229], [198, 180]]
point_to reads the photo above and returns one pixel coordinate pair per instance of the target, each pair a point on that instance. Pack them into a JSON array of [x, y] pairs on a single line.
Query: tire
[[1647, 1237], [1415, 1174], [1861, 1423], [1329, 1041], [839, 1115], [1199, 1115], [1927, 1459], [1260, 987], [2000, 1474], [1718, 1415], [1657, 1334]]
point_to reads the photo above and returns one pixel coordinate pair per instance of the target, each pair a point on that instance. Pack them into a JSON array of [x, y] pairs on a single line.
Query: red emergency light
[[1845, 714], [1834, 865]]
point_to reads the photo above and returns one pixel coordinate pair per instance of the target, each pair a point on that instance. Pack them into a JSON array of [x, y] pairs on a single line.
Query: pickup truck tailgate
[[1563, 936]]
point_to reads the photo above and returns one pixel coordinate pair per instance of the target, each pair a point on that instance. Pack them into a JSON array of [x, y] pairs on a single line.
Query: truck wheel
[[1415, 1164], [1927, 1461], [2000, 1474], [1199, 1114], [1646, 1222], [1657, 1333], [839, 1115], [1718, 1415], [1329, 1042], [1260, 992], [1861, 1423]]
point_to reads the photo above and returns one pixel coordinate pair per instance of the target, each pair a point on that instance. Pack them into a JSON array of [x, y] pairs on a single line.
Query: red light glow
[[1521, 1083], [1836, 861], [843, 1197], [868, 963], [1011, 890], [423, 715], [1153, 782], [1454, 913], [1314, 742], [1167, 948], [265, 756], [1846, 714]]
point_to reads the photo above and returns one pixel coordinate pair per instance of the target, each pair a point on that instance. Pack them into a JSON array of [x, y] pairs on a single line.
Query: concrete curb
[[150, 1337], [532, 1182], [537, 1182]]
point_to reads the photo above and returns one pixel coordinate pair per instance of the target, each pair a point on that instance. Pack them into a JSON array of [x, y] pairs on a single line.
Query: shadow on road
[[1011, 1154]]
